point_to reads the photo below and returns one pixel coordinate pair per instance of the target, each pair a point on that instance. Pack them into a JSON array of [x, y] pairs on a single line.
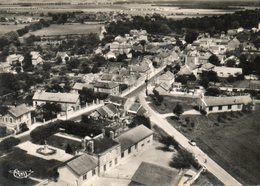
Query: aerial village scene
[[129, 93]]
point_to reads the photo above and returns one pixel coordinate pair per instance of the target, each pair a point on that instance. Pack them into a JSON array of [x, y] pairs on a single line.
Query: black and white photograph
[[129, 92]]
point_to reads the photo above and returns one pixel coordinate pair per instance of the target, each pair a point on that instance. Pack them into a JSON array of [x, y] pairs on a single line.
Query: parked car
[[192, 143]]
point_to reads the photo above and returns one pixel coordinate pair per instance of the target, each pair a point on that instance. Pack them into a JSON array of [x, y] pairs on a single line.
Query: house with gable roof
[[107, 87], [67, 101], [78, 169], [16, 116]]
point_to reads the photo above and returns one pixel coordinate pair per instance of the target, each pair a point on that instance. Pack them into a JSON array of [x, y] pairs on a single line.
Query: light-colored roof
[[133, 136], [232, 100], [135, 108], [167, 75], [230, 70], [107, 85], [149, 174], [56, 97], [19, 110], [80, 86], [82, 164]]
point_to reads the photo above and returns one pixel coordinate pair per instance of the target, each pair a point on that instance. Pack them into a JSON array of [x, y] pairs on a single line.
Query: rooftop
[[215, 101], [56, 97], [82, 164], [107, 85], [149, 174], [117, 100], [103, 144], [133, 136], [19, 110]]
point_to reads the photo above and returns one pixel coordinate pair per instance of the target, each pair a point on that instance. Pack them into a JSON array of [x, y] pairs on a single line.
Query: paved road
[[210, 165]]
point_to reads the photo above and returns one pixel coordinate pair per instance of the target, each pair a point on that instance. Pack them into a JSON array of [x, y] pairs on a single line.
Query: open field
[[232, 140], [68, 29], [11, 27], [169, 103]]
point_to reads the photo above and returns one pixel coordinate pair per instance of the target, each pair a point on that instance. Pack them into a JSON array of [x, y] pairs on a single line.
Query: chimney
[[103, 132], [111, 134], [90, 146]]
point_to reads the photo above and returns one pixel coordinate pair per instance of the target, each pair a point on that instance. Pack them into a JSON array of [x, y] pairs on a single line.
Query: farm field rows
[[68, 29]]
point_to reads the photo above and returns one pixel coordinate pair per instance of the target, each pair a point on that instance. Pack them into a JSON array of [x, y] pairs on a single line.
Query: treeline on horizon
[[156, 24]]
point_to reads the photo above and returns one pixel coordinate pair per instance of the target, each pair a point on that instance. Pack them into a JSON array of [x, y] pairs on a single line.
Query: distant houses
[[212, 104], [15, 117]]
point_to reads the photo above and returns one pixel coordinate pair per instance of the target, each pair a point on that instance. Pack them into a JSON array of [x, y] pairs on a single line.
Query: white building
[[68, 101], [36, 58], [212, 104], [15, 117], [227, 71]]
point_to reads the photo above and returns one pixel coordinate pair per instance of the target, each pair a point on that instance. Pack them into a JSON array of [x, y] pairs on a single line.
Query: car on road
[[192, 143]]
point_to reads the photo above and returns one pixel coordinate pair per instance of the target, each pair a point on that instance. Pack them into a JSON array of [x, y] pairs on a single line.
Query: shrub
[[8, 143], [184, 159], [203, 112], [178, 110], [168, 141]]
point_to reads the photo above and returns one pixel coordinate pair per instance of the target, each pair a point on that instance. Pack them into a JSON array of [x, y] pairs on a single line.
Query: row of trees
[[157, 24]]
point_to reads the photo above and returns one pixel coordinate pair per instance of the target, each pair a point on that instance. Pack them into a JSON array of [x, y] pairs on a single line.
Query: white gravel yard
[[31, 148]]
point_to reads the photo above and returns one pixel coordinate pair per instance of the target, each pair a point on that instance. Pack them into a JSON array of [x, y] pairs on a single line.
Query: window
[[129, 150], [229, 107], [105, 167], [239, 106], [110, 164], [220, 107], [122, 154], [6, 119], [11, 120], [135, 146], [85, 177], [142, 145], [116, 161], [210, 108], [93, 172], [148, 141]]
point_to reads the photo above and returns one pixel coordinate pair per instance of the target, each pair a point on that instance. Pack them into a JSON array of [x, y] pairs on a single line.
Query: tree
[[157, 96], [50, 110], [8, 143], [212, 91], [140, 120], [68, 149], [24, 127], [213, 59], [178, 110], [191, 36], [168, 141], [184, 160], [3, 131], [183, 79], [27, 62], [231, 63], [59, 60]]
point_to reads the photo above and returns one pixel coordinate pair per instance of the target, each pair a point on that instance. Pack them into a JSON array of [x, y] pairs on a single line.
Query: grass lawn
[[19, 159], [233, 142], [169, 103], [68, 29]]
